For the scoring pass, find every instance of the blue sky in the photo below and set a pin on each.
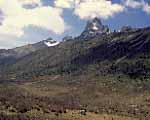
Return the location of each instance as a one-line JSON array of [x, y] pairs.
[[132, 17], [41, 19]]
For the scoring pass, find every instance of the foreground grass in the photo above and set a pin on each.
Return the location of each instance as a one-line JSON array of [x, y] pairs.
[[69, 115], [62, 98]]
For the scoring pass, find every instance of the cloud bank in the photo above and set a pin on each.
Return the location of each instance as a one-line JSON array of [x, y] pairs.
[[88, 9], [140, 4], [16, 18], [16, 15]]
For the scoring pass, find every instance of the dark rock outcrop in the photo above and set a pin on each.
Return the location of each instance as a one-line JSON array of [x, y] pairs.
[[94, 28]]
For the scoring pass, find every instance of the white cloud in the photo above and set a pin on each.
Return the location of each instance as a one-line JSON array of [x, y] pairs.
[[146, 7], [16, 17], [10, 41], [27, 2], [132, 3], [88, 9], [97, 8], [138, 4], [64, 3]]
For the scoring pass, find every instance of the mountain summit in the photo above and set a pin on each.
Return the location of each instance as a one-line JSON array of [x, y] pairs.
[[50, 42], [93, 28]]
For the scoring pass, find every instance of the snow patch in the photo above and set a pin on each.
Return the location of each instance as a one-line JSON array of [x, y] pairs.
[[95, 26], [50, 44]]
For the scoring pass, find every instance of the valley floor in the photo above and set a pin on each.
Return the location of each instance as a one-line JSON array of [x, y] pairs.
[[69, 115], [103, 98]]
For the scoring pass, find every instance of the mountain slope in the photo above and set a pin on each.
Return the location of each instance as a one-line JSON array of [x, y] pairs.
[[105, 51], [10, 56]]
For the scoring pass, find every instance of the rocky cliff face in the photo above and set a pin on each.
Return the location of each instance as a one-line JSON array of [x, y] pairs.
[[94, 28]]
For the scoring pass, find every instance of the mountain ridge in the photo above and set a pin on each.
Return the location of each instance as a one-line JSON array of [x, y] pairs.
[[9, 56], [76, 55]]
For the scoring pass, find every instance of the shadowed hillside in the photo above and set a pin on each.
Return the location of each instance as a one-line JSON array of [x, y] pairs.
[[109, 52]]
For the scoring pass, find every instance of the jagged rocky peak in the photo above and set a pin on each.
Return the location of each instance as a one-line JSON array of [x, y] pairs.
[[93, 28], [94, 25]]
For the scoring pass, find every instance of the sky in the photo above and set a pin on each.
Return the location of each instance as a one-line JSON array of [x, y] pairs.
[[30, 21]]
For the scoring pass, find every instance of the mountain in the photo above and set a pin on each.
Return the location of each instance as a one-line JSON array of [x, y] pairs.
[[128, 29], [51, 43], [109, 51], [67, 38], [11, 55], [93, 28], [128, 48]]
